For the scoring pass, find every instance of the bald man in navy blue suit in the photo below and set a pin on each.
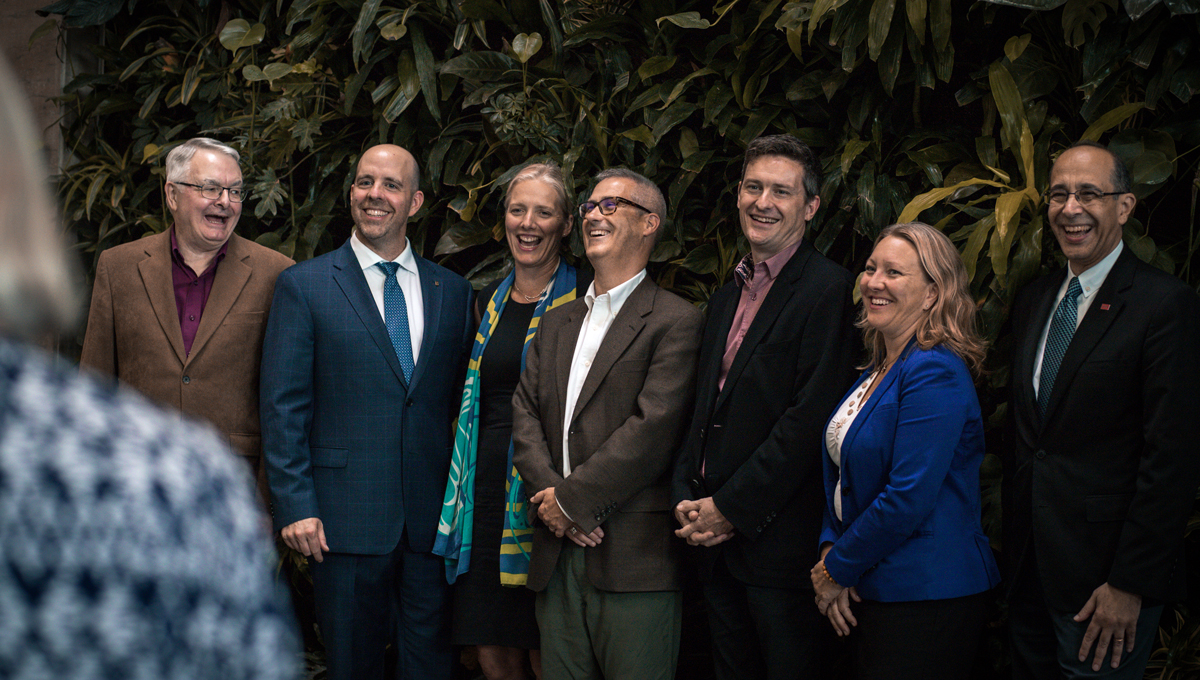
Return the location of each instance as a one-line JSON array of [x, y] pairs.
[[357, 427]]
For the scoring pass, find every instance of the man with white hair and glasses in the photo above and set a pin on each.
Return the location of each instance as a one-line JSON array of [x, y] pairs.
[[180, 315]]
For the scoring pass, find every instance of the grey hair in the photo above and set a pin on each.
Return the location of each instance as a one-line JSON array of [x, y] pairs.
[[649, 195], [38, 292], [179, 160]]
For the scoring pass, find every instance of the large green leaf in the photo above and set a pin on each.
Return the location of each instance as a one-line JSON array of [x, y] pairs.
[[927, 200], [238, 33], [480, 67], [1110, 120], [881, 23], [408, 86], [366, 17]]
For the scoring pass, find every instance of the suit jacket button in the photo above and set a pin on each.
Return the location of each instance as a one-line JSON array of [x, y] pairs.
[[1040, 455], [409, 402], [186, 379], [702, 433]]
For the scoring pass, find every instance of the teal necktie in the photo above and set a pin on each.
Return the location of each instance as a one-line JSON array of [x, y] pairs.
[[1062, 329], [395, 315]]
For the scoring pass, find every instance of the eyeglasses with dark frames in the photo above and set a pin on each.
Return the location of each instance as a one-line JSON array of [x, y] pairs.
[[608, 205], [1084, 196], [213, 191]]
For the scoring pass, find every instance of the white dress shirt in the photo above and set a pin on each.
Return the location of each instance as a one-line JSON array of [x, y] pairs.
[[602, 309], [1090, 282], [406, 276]]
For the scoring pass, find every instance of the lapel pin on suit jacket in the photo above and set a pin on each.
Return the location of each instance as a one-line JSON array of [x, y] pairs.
[[1104, 307]]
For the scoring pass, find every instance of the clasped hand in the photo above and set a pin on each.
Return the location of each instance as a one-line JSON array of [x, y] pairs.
[[702, 523], [557, 521]]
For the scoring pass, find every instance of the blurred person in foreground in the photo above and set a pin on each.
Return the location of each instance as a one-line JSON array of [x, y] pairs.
[[483, 532], [904, 557], [1105, 418], [180, 316], [131, 545]]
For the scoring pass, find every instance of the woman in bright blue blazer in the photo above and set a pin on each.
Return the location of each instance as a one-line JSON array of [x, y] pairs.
[[904, 558]]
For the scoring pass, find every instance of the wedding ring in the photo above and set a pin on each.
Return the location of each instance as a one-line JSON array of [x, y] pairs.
[[574, 530]]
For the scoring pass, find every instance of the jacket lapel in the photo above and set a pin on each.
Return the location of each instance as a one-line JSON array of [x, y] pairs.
[[1100, 316], [348, 275], [231, 278], [721, 309], [625, 327], [155, 271], [565, 351], [1026, 359], [431, 303]]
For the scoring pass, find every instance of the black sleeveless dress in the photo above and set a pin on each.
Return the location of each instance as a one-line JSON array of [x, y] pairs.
[[485, 612]]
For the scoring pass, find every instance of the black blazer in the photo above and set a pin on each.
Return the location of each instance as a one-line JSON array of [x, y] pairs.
[[761, 438], [1103, 487]]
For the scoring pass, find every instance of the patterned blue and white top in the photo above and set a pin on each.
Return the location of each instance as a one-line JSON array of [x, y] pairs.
[[131, 545]]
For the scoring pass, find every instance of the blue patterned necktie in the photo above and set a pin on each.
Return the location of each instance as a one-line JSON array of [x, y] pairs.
[[1062, 328], [395, 315]]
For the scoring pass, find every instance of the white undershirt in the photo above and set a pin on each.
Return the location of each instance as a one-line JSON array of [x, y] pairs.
[[835, 434], [406, 276], [602, 309], [1089, 281]]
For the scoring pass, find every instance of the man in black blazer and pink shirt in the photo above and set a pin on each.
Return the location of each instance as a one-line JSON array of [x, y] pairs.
[[777, 355], [1104, 468]]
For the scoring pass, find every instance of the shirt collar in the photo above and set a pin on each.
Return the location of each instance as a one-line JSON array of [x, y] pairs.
[[748, 271], [177, 256], [616, 295], [368, 258], [1091, 279]]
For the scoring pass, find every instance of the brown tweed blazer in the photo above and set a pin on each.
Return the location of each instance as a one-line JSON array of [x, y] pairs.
[[624, 434], [133, 334]]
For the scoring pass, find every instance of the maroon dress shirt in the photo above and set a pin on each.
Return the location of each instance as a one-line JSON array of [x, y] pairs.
[[191, 291]]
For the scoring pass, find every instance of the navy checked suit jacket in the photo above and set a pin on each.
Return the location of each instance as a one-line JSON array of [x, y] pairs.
[[344, 438]]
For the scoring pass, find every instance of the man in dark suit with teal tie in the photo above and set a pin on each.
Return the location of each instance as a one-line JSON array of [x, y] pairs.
[[361, 376], [1104, 415]]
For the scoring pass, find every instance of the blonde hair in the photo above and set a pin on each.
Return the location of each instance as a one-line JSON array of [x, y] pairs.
[[951, 320], [37, 286]]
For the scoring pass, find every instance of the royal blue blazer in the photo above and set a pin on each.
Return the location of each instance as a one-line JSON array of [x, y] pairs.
[[910, 525]]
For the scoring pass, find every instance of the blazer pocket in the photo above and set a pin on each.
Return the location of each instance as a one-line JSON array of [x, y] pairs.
[[1108, 508], [331, 458], [769, 348], [245, 317], [249, 445], [631, 366]]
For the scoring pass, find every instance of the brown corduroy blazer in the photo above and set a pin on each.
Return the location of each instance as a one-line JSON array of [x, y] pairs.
[[133, 334], [624, 435]]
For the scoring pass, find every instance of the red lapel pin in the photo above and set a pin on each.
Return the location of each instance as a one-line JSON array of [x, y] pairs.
[[1104, 307]]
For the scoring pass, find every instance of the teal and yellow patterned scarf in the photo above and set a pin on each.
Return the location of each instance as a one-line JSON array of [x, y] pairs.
[[458, 507]]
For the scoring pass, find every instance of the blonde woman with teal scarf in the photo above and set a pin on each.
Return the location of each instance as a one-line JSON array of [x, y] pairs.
[[483, 534]]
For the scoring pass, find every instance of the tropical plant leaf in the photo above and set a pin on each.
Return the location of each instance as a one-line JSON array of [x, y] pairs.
[[686, 20], [238, 34]]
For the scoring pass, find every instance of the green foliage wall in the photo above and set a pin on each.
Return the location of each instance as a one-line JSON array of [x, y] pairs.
[[947, 112]]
